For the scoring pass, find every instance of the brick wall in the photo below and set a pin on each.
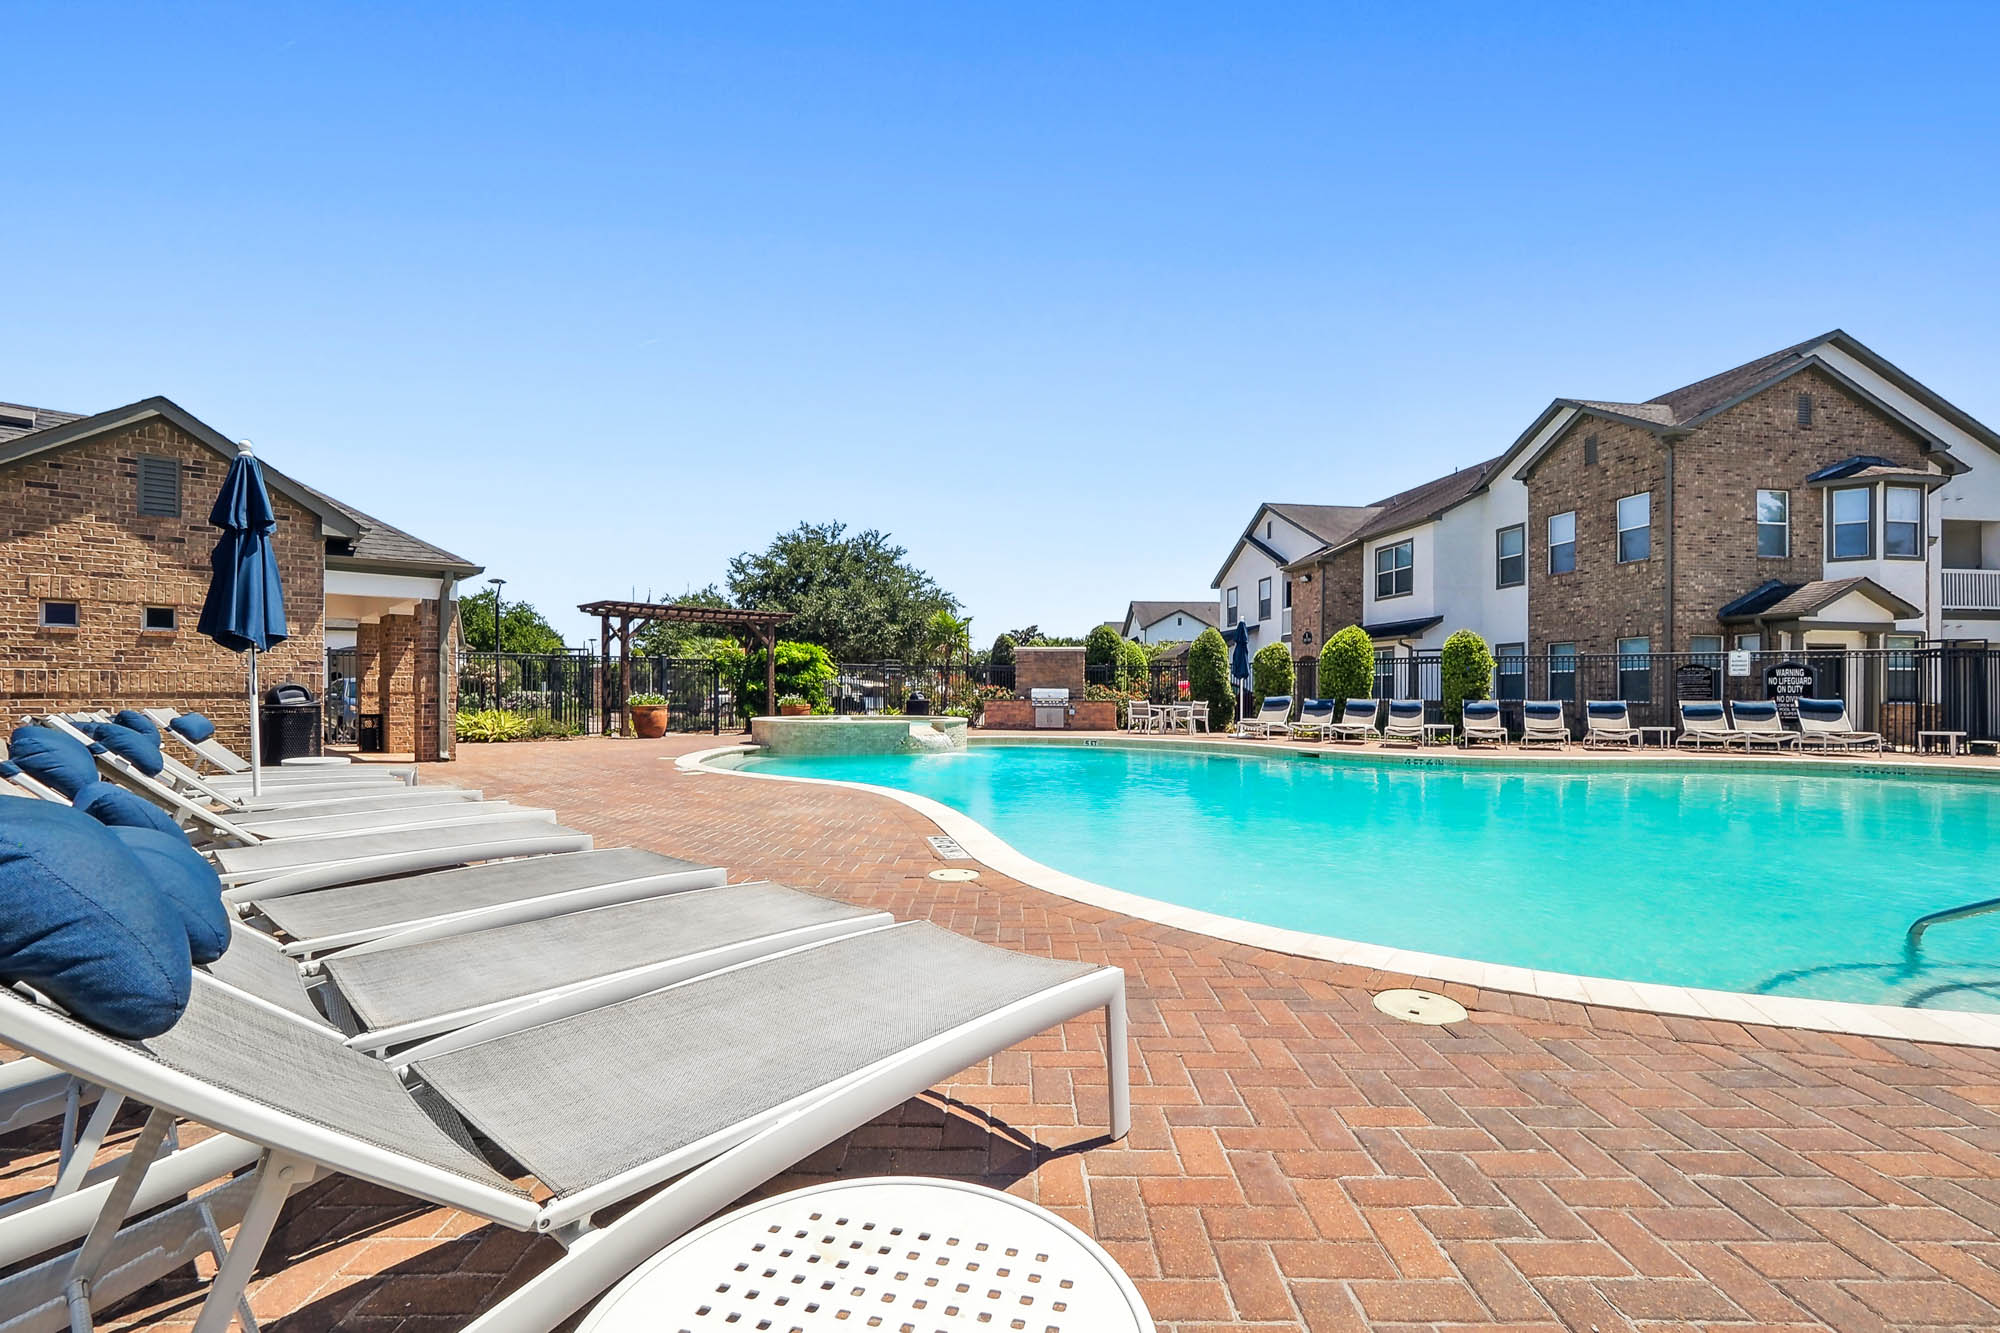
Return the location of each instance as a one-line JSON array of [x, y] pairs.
[[1048, 669], [70, 530], [1759, 445], [1600, 601], [1327, 605], [397, 660]]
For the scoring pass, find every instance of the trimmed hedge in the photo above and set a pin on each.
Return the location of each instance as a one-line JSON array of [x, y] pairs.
[[1208, 678], [1465, 671], [1347, 665], [1271, 672]]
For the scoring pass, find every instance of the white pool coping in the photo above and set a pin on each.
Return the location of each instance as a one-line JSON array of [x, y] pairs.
[[1951, 1027]]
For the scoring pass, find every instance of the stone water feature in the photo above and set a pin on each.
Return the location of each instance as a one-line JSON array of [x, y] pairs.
[[875, 734]]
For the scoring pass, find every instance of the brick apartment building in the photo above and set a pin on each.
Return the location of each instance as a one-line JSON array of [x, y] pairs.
[[1818, 497], [104, 562]]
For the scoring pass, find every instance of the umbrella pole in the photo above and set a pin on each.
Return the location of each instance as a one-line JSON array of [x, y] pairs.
[[256, 740]]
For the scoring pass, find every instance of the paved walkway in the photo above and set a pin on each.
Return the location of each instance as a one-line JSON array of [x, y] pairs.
[[1297, 1160]]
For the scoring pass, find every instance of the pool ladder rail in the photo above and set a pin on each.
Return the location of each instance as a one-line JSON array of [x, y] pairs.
[[1913, 939]]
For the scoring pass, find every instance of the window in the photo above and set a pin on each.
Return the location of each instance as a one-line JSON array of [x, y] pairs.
[[1229, 608], [1288, 594], [1385, 673], [1562, 542], [1590, 451], [1774, 524], [1635, 670], [1562, 671], [1263, 599], [1392, 569], [1510, 557], [1635, 527], [1511, 670], [1853, 523], [1267, 529], [1805, 409], [159, 487], [1750, 643], [1900, 685], [59, 615], [160, 618], [1903, 522], [1705, 645]]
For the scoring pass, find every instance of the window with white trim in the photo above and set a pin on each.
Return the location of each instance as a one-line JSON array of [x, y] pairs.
[[1852, 527], [1510, 556], [1394, 574], [1562, 671], [1903, 522], [1510, 669], [1635, 527], [1263, 599], [1562, 542], [160, 619], [1774, 524], [1229, 608], [59, 615], [1635, 670], [1385, 673]]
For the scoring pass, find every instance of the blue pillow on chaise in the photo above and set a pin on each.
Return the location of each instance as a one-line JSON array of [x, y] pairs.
[[193, 726], [188, 882], [135, 747], [81, 922], [139, 722], [56, 760], [108, 803]]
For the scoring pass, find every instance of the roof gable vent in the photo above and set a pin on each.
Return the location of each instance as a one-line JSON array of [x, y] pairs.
[[1590, 450], [160, 487]]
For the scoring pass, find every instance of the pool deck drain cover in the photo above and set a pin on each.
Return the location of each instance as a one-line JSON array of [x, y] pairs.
[[948, 849], [954, 875], [1420, 1006]]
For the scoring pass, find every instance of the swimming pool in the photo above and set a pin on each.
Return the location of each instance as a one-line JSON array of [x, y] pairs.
[[1731, 877]]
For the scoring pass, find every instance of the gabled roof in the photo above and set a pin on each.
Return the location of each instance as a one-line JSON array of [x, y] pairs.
[[1704, 396], [1868, 467], [1143, 614], [380, 543], [1332, 524], [1401, 629], [1773, 600], [1427, 501], [17, 419]]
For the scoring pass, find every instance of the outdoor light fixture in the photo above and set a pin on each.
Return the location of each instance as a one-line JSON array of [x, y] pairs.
[[499, 586]]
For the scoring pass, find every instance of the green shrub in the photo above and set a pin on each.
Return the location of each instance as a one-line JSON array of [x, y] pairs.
[[1134, 666], [1208, 678], [645, 700], [542, 727], [1347, 665], [494, 724], [804, 669], [1003, 651], [1465, 671], [792, 701], [1271, 672], [1102, 646]]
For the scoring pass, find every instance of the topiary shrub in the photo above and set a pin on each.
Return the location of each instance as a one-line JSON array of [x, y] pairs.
[[1347, 665], [1208, 678], [1102, 646], [1003, 651], [1134, 667], [804, 669], [1465, 671], [1271, 672]]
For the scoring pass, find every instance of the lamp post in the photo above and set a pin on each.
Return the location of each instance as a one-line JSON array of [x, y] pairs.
[[499, 585]]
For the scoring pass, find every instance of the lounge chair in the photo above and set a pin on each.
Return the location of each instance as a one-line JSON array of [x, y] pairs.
[[1273, 718], [1758, 723], [1609, 722], [1542, 722], [281, 787], [716, 1084], [1315, 719], [1823, 725], [1357, 721], [1479, 723], [1704, 723], [226, 761], [1406, 723]]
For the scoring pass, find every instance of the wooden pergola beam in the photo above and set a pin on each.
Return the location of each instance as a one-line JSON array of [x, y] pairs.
[[752, 626]]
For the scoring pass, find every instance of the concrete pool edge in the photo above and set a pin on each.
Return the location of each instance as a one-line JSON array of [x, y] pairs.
[[1848, 1018]]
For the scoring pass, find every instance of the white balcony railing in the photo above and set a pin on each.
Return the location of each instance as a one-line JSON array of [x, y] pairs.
[[1972, 589]]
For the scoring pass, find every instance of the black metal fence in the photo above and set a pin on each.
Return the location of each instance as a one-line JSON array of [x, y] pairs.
[[561, 689], [1899, 693]]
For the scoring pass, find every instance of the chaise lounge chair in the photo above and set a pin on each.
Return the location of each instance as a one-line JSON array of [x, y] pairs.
[[1609, 722], [235, 768], [1704, 723], [1406, 723], [1823, 725], [1758, 723], [1357, 721], [1543, 723], [1315, 719], [600, 1105], [1273, 718], [1479, 723]]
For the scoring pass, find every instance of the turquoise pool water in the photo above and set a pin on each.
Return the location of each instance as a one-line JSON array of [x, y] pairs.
[[1780, 883]]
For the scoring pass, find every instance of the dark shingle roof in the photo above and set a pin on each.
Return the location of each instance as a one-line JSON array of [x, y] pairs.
[[1401, 629], [1691, 400], [1142, 614], [1332, 524], [1431, 498], [385, 543], [17, 420], [1784, 601]]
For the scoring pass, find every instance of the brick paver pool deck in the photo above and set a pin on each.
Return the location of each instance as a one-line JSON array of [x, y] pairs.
[[1297, 1159]]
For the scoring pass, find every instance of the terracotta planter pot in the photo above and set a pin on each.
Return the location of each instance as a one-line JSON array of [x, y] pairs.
[[794, 710], [649, 720]]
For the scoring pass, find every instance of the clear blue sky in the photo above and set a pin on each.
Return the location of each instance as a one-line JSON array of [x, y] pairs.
[[599, 296]]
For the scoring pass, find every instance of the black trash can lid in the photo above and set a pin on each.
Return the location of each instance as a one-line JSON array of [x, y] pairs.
[[289, 694]]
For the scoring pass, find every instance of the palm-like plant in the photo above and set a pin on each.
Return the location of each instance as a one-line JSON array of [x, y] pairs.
[[946, 635]]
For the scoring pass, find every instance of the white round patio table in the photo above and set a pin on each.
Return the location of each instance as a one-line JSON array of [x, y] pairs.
[[890, 1252]]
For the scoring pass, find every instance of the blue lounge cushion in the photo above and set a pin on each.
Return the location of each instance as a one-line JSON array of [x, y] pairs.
[[1278, 701], [55, 760], [1602, 708], [1540, 708], [1406, 708], [136, 748], [80, 922], [193, 726], [1823, 710], [188, 882], [139, 722], [112, 805], [1316, 707], [1704, 711], [1755, 708], [1488, 708]]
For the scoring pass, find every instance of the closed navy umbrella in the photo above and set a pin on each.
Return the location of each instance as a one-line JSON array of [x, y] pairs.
[[245, 608], [1239, 658]]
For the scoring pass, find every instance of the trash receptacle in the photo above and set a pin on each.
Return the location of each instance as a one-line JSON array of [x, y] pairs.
[[368, 733], [290, 720]]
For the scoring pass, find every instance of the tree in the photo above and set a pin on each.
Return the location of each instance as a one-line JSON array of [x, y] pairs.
[[522, 629], [804, 669], [1208, 677], [1026, 637], [1102, 646], [946, 636], [1003, 651], [1347, 665], [1465, 671], [1135, 668], [681, 638], [1271, 672], [857, 597]]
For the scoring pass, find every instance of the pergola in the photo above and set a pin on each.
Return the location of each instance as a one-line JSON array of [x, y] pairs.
[[759, 628]]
